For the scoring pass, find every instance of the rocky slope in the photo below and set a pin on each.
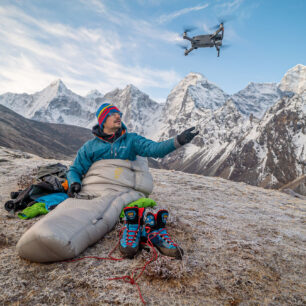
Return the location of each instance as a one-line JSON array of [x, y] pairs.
[[243, 245], [48, 140], [273, 152]]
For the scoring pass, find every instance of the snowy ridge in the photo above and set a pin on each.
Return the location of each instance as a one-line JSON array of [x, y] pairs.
[[194, 91], [256, 98], [273, 151]]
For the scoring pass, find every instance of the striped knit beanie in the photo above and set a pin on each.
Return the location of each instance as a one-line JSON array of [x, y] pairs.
[[105, 110]]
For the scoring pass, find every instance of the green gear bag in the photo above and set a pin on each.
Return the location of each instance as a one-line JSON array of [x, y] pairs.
[[35, 210], [142, 202]]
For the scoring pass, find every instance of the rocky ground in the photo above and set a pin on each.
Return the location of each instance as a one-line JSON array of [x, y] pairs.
[[243, 246]]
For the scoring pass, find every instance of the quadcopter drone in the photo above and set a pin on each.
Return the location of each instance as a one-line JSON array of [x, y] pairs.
[[205, 41]]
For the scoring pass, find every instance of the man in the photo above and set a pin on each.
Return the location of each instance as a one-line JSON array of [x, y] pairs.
[[112, 141]]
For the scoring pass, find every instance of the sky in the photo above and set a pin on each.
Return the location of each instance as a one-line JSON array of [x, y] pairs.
[[108, 44]]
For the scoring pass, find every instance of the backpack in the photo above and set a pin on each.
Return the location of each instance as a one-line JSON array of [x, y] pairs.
[[49, 180]]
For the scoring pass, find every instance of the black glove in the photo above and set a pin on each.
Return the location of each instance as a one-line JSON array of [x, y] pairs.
[[74, 188], [186, 136]]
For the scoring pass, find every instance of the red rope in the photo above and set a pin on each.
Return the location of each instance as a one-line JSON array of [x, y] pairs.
[[127, 278], [131, 278]]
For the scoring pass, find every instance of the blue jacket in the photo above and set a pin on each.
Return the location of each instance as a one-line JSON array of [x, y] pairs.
[[126, 146]]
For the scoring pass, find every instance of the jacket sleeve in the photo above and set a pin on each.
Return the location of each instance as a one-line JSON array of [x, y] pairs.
[[149, 148], [80, 166]]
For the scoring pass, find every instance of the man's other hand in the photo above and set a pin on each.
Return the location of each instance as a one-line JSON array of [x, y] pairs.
[[74, 188], [186, 136]]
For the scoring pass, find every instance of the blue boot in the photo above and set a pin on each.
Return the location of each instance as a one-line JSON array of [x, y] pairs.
[[156, 232], [129, 243]]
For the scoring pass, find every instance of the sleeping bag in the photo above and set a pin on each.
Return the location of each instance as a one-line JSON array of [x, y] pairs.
[[77, 223]]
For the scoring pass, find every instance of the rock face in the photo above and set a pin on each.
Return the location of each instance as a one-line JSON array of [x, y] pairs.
[[272, 153], [256, 135], [242, 244]]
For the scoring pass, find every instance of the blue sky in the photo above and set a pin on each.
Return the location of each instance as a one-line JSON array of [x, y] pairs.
[[95, 44]]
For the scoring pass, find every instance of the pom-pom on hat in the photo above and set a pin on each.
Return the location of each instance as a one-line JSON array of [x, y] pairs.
[[105, 110]]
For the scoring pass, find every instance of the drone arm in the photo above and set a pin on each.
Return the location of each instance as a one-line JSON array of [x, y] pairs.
[[188, 51], [222, 33], [188, 38], [221, 29]]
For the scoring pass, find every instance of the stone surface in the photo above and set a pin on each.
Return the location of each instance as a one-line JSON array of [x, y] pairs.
[[243, 245]]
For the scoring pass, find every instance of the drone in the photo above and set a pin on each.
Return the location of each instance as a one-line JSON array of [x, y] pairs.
[[205, 41]]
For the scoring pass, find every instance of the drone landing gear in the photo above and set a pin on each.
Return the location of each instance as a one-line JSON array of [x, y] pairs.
[[218, 50]]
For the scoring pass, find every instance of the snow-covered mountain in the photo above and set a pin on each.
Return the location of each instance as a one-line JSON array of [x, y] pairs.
[[273, 152], [55, 104], [240, 135], [268, 152], [189, 103], [256, 98]]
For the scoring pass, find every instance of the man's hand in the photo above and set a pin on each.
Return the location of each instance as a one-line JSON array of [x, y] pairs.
[[186, 136], [74, 188]]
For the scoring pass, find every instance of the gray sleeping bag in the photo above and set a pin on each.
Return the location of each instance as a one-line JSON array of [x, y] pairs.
[[77, 223]]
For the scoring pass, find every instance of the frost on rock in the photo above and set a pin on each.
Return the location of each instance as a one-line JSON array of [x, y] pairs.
[[242, 245]]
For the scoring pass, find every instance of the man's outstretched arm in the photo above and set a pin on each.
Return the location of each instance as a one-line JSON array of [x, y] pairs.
[[148, 148]]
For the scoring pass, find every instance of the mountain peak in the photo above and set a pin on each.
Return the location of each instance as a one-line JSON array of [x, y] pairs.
[[197, 75], [93, 94], [193, 78], [131, 87], [133, 90], [58, 85], [294, 80]]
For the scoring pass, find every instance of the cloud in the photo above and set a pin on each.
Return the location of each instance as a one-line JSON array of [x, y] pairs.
[[139, 29], [229, 7], [98, 5], [169, 17], [34, 52]]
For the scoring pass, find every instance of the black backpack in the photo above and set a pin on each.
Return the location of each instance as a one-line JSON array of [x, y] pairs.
[[49, 177]]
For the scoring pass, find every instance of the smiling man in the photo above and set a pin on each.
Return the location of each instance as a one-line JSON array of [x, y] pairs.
[[112, 141]]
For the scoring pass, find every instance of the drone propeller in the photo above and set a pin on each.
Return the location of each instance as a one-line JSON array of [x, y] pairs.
[[223, 20], [182, 46], [225, 46], [217, 26], [189, 29]]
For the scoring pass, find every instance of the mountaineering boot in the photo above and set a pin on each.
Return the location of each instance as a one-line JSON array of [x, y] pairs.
[[129, 243], [156, 232]]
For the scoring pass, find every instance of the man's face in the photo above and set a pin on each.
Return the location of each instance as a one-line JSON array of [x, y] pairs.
[[112, 122]]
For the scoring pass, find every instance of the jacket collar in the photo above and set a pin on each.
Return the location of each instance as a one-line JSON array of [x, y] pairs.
[[97, 131]]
